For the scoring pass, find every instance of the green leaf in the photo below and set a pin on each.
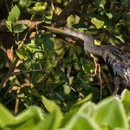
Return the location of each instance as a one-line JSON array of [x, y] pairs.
[[109, 15], [19, 28], [14, 14], [97, 22], [48, 124], [67, 89], [81, 121], [51, 107], [87, 65], [83, 101], [62, 75], [5, 116], [88, 108], [102, 3], [125, 98], [22, 54], [9, 25], [27, 119], [48, 45], [74, 108], [25, 3], [13, 17], [99, 3], [129, 120], [39, 6], [110, 112]]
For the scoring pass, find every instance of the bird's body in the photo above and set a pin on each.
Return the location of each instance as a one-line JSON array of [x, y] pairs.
[[119, 61]]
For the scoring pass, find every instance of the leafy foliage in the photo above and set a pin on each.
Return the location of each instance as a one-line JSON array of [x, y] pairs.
[[107, 114], [46, 78]]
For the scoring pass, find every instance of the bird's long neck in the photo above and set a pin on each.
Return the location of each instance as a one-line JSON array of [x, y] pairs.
[[88, 41]]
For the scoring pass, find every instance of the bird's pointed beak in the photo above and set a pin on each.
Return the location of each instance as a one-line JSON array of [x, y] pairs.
[[54, 29]]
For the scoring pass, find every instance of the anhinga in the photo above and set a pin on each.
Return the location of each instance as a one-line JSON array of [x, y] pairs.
[[119, 62]]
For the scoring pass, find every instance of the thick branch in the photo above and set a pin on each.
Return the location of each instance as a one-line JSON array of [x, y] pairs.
[[31, 24]]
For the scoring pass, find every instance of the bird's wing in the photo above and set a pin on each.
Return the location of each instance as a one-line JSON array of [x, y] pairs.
[[118, 60]]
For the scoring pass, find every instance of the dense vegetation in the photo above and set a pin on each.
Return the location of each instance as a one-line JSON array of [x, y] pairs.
[[53, 72]]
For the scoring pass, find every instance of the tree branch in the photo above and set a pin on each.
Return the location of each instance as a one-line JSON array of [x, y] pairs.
[[31, 24], [11, 70]]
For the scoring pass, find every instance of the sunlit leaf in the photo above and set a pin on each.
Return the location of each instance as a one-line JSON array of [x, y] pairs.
[[88, 108], [51, 107], [109, 15], [22, 54], [25, 3], [97, 42], [97, 22], [110, 112], [19, 28], [81, 121], [5, 117], [40, 6], [27, 119], [48, 124], [125, 98], [14, 14], [9, 25], [67, 89], [13, 17]]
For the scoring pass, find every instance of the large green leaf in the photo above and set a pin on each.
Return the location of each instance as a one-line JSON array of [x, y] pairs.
[[110, 112], [13, 17], [48, 124], [125, 98], [25, 120], [51, 107], [81, 121], [88, 108], [28, 119], [14, 14], [5, 116]]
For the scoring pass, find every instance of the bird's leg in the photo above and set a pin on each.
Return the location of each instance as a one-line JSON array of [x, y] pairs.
[[116, 85]]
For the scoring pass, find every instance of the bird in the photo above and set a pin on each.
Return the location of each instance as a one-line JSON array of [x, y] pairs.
[[113, 56]]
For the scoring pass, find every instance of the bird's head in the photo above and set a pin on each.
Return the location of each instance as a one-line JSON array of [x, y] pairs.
[[68, 31], [55, 29]]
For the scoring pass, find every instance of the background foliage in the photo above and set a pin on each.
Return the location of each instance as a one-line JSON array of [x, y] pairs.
[[35, 61]]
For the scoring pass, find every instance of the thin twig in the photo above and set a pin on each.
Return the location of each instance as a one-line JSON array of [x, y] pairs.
[[11, 70], [100, 79], [97, 65], [26, 71]]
